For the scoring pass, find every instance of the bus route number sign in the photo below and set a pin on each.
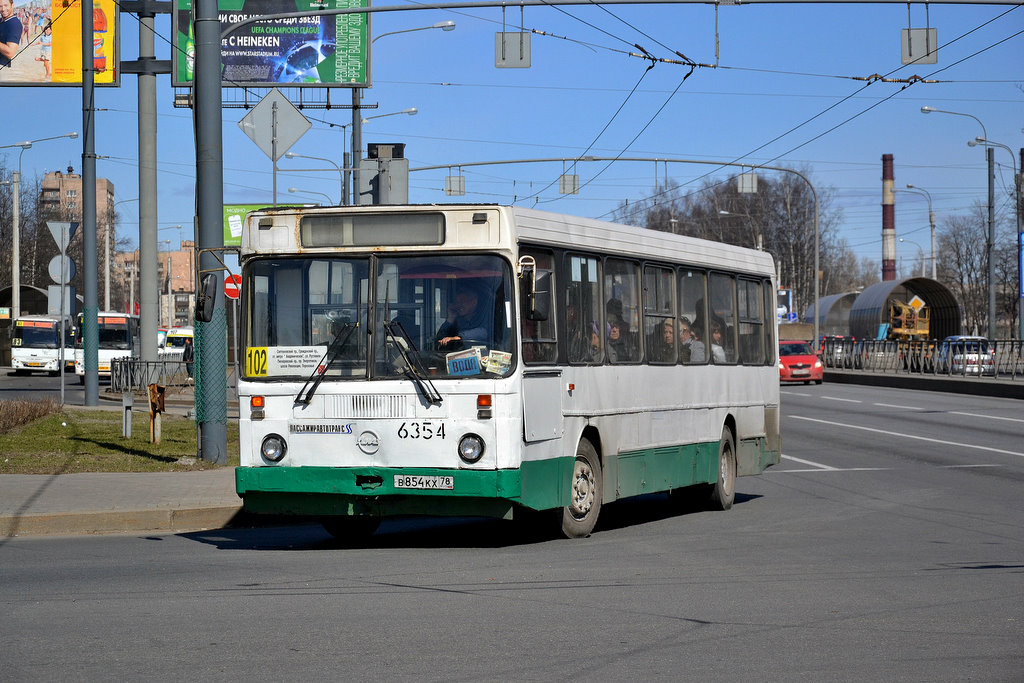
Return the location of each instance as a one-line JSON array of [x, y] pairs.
[[256, 361]]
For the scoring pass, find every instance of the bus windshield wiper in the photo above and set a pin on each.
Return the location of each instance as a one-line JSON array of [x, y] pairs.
[[412, 361], [340, 342]]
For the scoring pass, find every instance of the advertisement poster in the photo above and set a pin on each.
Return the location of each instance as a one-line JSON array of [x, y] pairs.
[[315, 51], [50, 42]]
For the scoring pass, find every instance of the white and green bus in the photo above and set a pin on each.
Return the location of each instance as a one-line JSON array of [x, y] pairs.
[[487, 360]]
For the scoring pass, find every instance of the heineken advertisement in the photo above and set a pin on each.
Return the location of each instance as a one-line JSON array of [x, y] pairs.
[[314, 51]]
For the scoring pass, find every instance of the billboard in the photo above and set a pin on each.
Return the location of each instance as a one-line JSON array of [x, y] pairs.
[[315, 51], [50, 44]]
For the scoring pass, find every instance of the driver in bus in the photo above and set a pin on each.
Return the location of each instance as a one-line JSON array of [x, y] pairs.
[[465, 322]]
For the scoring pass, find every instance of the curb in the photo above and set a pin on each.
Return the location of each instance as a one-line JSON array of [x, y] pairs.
[[120, 521]]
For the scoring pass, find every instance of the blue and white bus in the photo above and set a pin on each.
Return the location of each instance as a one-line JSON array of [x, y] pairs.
[[489, 360]]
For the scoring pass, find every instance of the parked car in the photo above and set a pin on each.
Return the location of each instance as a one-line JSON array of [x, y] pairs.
[[799, 363], [966, 355], [837, 350]]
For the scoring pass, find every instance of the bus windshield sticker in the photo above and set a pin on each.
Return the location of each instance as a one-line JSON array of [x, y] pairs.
[[462, 363], [290, 360], [498, 362]]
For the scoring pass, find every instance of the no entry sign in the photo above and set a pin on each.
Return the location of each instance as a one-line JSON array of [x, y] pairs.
[[232, 283]]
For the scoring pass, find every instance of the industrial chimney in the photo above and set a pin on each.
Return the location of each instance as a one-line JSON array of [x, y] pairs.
[[888, 221]]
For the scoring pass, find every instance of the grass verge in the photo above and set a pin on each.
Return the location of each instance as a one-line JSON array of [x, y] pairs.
[[71, 440]]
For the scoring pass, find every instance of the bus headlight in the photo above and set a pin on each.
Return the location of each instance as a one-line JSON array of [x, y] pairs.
[[273, 447], [471, 448]]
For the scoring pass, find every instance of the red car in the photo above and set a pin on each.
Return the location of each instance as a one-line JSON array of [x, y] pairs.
[[799, 363]]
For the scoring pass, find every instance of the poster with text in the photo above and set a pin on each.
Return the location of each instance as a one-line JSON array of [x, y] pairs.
[[312, 51], [48, 34]]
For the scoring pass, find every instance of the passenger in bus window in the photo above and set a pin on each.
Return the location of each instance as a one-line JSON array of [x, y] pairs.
[[619, 347], [663, 342], [717, 350], [685, 340], [698, 354], [466, 322]]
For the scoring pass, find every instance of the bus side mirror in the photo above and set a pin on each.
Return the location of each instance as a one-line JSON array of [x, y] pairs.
[[538, 296], [207, 297]]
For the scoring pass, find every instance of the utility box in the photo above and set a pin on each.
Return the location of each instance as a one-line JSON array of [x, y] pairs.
[[384, 174]]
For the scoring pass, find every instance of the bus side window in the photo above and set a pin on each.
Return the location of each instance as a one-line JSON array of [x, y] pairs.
[[582, 309], [622, 310], [539, 342]]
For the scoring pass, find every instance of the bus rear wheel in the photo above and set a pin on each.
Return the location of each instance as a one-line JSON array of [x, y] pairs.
[[585, 493], [724, 490]]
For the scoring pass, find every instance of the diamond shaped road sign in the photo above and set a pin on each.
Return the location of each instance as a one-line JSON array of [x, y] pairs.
[[275, 116]]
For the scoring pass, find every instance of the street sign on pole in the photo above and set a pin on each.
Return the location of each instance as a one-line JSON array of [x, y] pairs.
[[232, 285]]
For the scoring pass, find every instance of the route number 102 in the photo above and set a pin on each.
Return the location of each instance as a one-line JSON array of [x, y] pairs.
[[256, 361]]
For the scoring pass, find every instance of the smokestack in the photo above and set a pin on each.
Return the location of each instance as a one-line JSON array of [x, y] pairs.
[[888, 221]]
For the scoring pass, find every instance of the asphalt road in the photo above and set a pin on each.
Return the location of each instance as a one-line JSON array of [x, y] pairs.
[[888, 545]]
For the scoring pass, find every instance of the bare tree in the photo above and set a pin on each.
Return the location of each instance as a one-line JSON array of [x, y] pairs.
[[962, 265], [778, 218]]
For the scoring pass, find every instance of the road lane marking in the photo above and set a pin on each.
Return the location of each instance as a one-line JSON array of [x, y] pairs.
[[910, 436], [807, 462], [988, 417], [844, 400], [889, 405], [819, 467]]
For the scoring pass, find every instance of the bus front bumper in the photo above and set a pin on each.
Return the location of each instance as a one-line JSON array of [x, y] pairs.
[[378, 491]]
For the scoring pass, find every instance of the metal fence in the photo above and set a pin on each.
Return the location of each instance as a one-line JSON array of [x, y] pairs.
[[1001, 360], [131, 375]]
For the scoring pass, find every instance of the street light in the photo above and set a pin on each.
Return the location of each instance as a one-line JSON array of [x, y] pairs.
[[920, 251], [163, 309], [330, 201], [357, 119], [106, 252], [1020, 235], [15, 228], [990, 246], [342, 172], [411, 111], [931, 218], [758, 240]]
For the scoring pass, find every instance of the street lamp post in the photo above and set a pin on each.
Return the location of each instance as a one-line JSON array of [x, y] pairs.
[[299, 190], [1020, 235], [15, 226], [357, 118], [919, 250], [990, 246], [931, 220], [106, 252], [342, 172]]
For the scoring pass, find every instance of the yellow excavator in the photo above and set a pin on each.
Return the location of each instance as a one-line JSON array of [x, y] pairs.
[[908, 321]]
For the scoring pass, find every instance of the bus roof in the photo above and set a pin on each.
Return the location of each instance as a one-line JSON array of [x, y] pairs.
[[547, 228]]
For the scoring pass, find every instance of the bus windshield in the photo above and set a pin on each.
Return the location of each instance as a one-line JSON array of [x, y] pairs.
[[31, 334], [447, 316], [114, 333]]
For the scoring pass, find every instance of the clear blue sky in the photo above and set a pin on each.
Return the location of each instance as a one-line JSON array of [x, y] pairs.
[[783, 94]]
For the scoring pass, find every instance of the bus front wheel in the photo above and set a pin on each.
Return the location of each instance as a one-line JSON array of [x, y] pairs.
[[585, 493], [724, 490]]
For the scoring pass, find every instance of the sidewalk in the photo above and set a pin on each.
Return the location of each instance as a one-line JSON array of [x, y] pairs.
[[119, 502]]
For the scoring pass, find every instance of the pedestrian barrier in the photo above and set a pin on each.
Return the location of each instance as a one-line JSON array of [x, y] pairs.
[[131, 375], [887, 356]]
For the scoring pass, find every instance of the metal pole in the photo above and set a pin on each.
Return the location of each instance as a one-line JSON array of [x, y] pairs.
[[211, 337], [990, 245], [16, 244], [90, 350], [357, 143], [148, 265], [1020, 252]]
